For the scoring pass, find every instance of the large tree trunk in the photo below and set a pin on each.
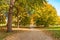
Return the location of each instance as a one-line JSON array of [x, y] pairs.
[[9, 24]]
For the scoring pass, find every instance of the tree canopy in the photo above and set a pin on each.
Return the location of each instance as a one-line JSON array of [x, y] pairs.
[[21, 12]]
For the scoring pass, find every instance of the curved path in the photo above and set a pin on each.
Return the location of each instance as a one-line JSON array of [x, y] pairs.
[[33, 34]]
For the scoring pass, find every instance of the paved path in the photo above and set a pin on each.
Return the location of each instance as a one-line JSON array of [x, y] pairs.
[[30, 35]]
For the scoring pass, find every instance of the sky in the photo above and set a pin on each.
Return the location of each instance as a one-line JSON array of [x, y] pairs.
[[56, 4]]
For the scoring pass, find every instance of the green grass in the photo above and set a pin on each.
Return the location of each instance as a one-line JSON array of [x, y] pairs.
[[54, 31], [55, 34], [4, 34], [53, 28]]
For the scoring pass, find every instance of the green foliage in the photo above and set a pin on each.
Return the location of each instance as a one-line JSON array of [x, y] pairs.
[[2, 18], [25, 21], [43, 13], [3, 10], [23, 7], [55, 34], [46, 16]]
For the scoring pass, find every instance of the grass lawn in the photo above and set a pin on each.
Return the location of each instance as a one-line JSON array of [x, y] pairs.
[[53, 31], [55, 34], [3, 33], [52, 28]]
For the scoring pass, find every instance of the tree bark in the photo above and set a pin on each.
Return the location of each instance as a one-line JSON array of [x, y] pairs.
[[9, 24]]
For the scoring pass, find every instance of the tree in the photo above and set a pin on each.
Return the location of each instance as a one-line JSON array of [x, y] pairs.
[[2, 19], [26, 6], [46, 16], [3, 11], [21, 5], [9, 24], [58, 20]]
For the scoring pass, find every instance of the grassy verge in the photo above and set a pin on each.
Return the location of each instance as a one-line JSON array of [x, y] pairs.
[[53, 28], [50, 28], [4, 34], [55, 34], [52, 31]]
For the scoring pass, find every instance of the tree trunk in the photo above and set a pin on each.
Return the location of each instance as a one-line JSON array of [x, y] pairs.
[[9, 24], [17, 17], [46, 25], [32, 22], [18, 22]]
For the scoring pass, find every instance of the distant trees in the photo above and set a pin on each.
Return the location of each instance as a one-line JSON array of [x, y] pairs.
[[58, 20], [24, 9], [46, 16]]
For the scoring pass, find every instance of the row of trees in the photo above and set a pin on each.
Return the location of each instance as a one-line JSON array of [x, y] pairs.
[[21, 12], [47, 15]]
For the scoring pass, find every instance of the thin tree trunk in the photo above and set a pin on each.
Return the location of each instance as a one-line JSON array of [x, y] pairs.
[[17, 20], [9, 24], [17, 17], [18, 24], [32, 22]]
